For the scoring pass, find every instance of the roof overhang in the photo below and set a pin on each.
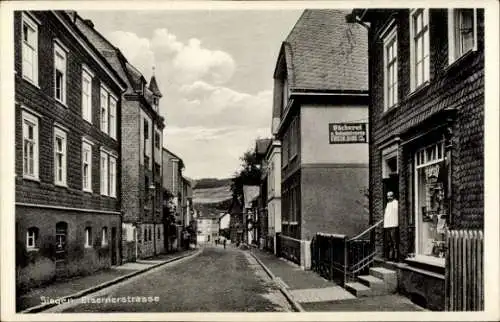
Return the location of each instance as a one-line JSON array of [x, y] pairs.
[[90, 50]]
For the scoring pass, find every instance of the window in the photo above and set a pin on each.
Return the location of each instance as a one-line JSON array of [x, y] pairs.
[[431, 205], [285, 149], [285, 93], [112, 176], [59, 157], [294, 138], [104, 174], [30, 49], [88, 237], [32, 238], [157, 139], [112, 117], [61, 234], [104, 241], [59, 73], [419, 43], [104, 110], [462, 32], [87, 94], [86, 167], [391, 69], [30, 146]]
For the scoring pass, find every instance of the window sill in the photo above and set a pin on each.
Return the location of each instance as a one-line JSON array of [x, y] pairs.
[[418, 89], [460, 59], [88, 247], [389, 110], [29, 81], [61, 185], [88, 191], [36, 179], [60, 103], [32, 249], [427, 260]]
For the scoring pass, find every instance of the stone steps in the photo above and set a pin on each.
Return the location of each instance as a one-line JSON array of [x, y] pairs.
[[381, 281]]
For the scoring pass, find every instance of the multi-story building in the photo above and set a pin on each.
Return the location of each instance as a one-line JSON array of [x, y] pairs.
[[321, 96], [142, 133], [208, 228], [173, 183], [68, 138], [261, 146], [427, 146], [187, 201], [273, 162]]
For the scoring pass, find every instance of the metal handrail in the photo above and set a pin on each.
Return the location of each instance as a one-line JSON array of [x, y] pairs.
[[368, 230]]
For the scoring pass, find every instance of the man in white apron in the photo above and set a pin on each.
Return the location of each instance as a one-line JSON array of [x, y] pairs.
[[391, 224]]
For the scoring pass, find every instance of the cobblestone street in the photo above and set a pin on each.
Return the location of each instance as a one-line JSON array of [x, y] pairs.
[[217, 280]]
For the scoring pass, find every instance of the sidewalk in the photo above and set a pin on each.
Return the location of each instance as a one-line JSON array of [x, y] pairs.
[[87, 284], [314, 293]]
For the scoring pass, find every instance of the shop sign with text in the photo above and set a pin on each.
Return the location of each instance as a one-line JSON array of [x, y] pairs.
[[341, 133]]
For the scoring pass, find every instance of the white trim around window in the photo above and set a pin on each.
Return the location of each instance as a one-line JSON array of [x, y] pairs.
[[104, 174], [32, 238], [60, 157], [29, 38], [419, 48], [30, 146], [390, 40], [462, 33], [112, 116], [60, 72], [104, 240], [88, 237], [86, 166], [104, 112], [112, 176], [87, 94]]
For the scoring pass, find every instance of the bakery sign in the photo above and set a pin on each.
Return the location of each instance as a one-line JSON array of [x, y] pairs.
[[341, 133]]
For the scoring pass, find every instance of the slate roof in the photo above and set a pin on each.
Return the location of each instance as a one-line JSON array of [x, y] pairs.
[[325, 53], [153, 86]]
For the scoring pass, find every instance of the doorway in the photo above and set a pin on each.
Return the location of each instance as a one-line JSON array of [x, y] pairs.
[[114, 254]]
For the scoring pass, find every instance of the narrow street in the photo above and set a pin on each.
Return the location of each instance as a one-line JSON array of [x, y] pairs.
[[217, 280]]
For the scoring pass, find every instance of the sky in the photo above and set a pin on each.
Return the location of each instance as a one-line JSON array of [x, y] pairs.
[[215, 71]]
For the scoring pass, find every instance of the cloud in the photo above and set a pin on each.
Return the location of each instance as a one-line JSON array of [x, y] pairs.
[[208, 124], [212, 152]]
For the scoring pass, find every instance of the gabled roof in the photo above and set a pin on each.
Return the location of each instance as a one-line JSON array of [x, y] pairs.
[[250, 193], [325, 53]]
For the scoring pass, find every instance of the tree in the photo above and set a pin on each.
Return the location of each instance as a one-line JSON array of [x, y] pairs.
[[249, 173]]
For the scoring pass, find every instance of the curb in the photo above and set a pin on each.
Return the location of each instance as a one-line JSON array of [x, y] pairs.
[[64, 299], [295, 305]]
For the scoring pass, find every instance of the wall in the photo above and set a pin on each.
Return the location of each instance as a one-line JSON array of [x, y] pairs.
[[224, 221], [459, 86], [41, 101], [80, 260], [315, 144], [131, 158], [332, 200]]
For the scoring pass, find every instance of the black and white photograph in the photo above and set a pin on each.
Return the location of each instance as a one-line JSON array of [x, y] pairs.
[[294, 158]]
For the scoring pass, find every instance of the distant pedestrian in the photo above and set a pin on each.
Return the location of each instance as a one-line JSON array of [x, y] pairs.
[[224, 240], [391, 224]]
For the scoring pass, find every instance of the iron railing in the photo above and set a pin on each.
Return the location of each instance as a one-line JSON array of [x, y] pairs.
[[339, 258]]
